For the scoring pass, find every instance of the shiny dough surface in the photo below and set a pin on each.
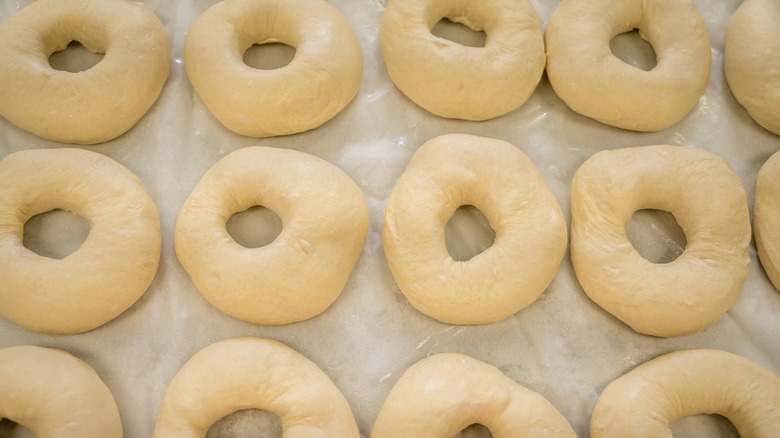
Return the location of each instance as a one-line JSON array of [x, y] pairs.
[[766, 218]]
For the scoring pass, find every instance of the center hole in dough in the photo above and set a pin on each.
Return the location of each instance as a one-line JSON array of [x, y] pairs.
[[459, 33], [632, 49], [55, 234], [254, 227], [269, 56], [74, 58], [475, 431], [257, 423], [656, 235], [713, 426], [10, 429], [468, 233]]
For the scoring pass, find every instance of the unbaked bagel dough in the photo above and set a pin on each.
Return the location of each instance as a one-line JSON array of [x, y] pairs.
[[766, 217], [455, 81], [107, 273], [91, 106], [494, 176], [647, 400], [710, 205], [595, 83], [246, 373], [443, 394], [751, 60], [317, 84], [55, 395], [298, 275]]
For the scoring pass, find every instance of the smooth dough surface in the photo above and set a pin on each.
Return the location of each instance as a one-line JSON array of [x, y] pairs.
[[455, 81], [443, 394], [595, 83], [95, 105], [298, 275], [494, 176], [107, 273], [55, 395], [322, 78], [710, 205], [766, 217], [647, 400], [254, 373], [751, 60]]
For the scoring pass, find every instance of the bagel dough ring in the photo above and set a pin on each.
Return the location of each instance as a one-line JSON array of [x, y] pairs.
[[710, 205], [647, 400], [456, 81], [498, 179], [54, 394], [299, 274], [751, 60], [317, 84], [766, 217], [597, 84], [245, 373], [95, 105], [107, 273], [443, 394]]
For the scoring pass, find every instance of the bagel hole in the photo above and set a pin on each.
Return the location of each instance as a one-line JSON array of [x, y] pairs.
[[11, 429], [714, 426], [468, 233], [254, 227], [459, 33], [634, 50], [55, 234], [656, 236], [269, 56], [474, 431], [74, 58], [257, 423]]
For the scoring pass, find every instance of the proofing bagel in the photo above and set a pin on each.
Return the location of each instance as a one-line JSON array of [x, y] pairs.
[[647, 400], [766, 217], [91, 106], [595, 83], [455, 81], [298, 275], [107, 273], [709, 203], [54, 394], [317, 84], [497, 178], [246, 373]]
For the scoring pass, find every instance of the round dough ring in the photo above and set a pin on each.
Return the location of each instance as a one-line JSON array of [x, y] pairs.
[[91, 106], [317, 84], [246, 373], [299, 274], [751, 60], [689, 293], [647, 400], [54, 394], [766, 217], [497, 178], [455, 81], [107, 273], [443, 394], [595, 83]]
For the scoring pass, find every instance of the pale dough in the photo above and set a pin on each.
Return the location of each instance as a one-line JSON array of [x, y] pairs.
[[710, 205], [766, 218], [455, 81], [91, 106]]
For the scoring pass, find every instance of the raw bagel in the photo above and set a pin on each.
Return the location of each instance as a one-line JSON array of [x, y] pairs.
[[91, 106], [648, 399], [455, 81], [443, 394], [55, 395], [245, 373], [595, 83], [766, 218], [298, 275], [497, 178], [709, 203], [107, 273], [751, 60], [317, 84]]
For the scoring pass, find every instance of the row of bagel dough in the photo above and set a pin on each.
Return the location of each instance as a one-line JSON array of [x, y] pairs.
[[55, 394], [444, 77], [325, 223]]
